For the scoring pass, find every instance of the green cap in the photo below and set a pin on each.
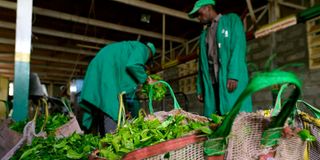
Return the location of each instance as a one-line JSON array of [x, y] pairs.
[[152, 48], [198, 5]]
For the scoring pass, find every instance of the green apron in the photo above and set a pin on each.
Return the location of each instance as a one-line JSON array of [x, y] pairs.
[[231, 45], [116, 68]]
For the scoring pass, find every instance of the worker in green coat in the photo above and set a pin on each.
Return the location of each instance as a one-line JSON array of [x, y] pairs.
[[222, 69], [117, 68]]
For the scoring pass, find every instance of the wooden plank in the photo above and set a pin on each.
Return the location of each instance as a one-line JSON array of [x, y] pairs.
[[4, 85], [313, 43], [313, 19], [314, 63], [314, 39], [314, 52], [314, 29]]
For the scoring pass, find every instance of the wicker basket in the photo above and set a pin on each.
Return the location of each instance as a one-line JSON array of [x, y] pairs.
[[29, 132], [72, 126], [252, 136], [8, 138], [189, 147], [311, 122], [184, 148]]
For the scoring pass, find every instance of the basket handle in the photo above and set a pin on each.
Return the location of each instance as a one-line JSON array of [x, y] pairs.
[[313, 109], [41, 101], [277, 105], [259, 82], [66, 104], [175, 102], [121, 114], [46, 112]]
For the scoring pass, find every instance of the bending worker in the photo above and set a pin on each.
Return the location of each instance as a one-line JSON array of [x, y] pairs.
[[116, 68], [223, 73]]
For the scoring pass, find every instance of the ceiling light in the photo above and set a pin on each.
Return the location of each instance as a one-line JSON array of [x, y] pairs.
[[145, 18]]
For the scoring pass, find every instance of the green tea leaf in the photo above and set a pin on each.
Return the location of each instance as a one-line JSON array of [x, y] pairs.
[[306, 136], [73, 154], [206, 130]]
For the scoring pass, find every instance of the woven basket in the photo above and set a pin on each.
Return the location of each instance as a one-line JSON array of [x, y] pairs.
[[72, 126], [245, 137], [184, 148], [311, 122], [29, 132], [189, 147], [253, 136], [8, 138]]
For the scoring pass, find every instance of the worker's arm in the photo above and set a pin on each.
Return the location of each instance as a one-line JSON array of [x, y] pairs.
[[199, 83], [136, 62]]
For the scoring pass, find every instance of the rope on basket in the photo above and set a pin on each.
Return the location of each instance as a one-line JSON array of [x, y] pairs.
[[122, 112], [175, 102]]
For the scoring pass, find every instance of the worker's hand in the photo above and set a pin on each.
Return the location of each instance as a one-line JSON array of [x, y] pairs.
[[232, 85], [150, 80], [200, 97]]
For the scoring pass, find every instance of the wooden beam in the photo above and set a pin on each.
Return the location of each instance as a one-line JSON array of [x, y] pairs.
[[259, 17], [10, 65], [7, 65], [93, 22], [258, 9], [7, 75], [42, 73], [53, 81], [51, 67], [5, 70], [59, 60], [64, 49], [51, 47], [52, 74], [291, 5], [274, 10], [251, 12], [312, 2], [54, 33], [42, 78], [157, 8], [43, 58]]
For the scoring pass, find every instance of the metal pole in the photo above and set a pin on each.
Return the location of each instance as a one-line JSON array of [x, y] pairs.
[[22, 60], [163, 39], [171, 51]]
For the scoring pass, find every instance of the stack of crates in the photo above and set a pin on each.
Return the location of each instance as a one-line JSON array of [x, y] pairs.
[[313, 33], [187, 84]]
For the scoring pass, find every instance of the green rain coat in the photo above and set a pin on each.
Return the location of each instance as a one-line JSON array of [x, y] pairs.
[[116, 68], [231, 43]]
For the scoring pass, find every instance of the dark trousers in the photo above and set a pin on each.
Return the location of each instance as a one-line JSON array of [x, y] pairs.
[[216, 97], [109, 125], [101, 122]]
